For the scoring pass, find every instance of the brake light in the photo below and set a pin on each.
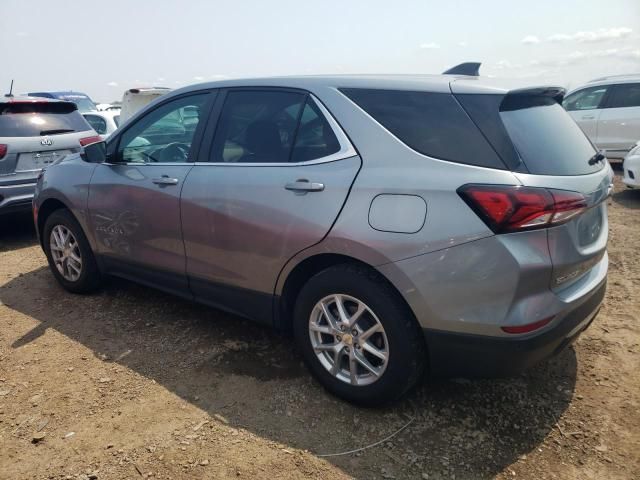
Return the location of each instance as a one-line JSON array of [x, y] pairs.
[[530, 327], [3, 150], [510, 208], [89, 140]]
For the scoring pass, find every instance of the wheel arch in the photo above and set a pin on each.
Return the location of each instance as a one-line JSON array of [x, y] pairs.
[[307, 268], [47, 207]]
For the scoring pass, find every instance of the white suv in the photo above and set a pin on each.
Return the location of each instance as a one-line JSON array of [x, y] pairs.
[[608, 111]]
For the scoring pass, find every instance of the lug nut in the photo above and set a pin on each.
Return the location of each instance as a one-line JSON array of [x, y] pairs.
[[354, 332], [357, 345], [339, 337], [341, 328], [346, 349]]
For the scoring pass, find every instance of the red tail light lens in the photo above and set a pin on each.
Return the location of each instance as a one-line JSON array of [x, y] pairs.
[[508, 208], [529, 327], [89, 140], [3, 149]]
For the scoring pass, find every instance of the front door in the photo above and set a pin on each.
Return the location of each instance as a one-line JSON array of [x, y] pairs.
[[279, 172], [134, 199], [585, 108]]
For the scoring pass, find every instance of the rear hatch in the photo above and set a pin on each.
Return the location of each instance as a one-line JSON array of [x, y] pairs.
[[34, 134], [545, 149]]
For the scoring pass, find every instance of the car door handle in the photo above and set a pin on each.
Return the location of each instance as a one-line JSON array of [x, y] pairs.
[[304, 186], [588, 117], [165, 180]]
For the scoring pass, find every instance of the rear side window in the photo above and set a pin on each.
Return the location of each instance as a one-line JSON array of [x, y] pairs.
[[625, 95], [32, 119], [587, 99], [546, 138], [433, 124]]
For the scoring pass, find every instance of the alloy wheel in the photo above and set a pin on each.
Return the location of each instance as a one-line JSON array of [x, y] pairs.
[[65, 251], [348, 339]]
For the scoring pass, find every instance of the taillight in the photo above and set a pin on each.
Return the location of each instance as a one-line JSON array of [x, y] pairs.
[[510, 208], [89, 140], [3, 150]]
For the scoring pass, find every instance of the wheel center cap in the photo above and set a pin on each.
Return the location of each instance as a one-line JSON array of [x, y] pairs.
[[347, 339]]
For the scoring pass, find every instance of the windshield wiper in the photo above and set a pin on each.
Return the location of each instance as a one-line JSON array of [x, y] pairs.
[[54, 132], [598, 157]]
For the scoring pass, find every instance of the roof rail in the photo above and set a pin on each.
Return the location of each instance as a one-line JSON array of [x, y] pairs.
[[471, 69], [611, 77]]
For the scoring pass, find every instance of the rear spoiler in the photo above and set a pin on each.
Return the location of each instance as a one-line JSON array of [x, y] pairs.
[[471, 69], [555, 92]]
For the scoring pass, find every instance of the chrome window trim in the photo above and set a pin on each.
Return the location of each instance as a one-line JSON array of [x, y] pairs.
[[347, 150]]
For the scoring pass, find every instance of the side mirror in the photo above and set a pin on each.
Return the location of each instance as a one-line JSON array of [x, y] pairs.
[[95, 152]]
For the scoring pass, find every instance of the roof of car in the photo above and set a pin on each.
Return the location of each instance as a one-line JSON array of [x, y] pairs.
[[28, 99], [417, 82], [63, 93], [610, 80]]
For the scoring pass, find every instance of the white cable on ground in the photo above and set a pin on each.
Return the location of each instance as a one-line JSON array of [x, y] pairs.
[[369, 446]]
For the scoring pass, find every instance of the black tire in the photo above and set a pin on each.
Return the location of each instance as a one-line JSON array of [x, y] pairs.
[[406, 346], [90, 278]]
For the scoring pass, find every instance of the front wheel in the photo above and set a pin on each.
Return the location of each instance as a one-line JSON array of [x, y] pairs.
[[69, 254], [357, 336]]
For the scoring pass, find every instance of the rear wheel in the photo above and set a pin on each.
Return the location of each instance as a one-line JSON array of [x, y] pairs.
[[70, 257], [357, 336]]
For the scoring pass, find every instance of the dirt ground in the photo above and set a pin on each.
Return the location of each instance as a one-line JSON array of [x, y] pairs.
[[132, 383]]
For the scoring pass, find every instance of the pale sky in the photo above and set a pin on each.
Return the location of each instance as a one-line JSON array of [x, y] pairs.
[[103, 48]]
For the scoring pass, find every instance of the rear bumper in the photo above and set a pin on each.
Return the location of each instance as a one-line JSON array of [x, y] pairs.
[[16, 197], [458, 354]]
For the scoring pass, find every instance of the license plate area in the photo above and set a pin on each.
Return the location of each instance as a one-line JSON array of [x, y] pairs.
[[32, 161]]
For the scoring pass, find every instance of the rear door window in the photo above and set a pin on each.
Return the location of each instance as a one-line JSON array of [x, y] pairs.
[[433, 124], [257, 126], [545, 137], [587, 99], [32, 119], [624, 95]]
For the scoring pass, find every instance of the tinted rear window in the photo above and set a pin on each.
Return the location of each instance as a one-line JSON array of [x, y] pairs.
[[433, 124], [34, 119], [532, 134], [546, 138]]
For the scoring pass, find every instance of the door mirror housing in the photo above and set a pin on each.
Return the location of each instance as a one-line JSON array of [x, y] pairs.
[[95, 153]]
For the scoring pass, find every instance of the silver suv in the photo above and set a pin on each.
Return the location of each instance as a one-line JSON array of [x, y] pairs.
[[34, 132], [394, 224]]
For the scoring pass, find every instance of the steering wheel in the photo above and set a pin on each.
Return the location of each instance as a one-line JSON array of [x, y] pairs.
[[173, 153]]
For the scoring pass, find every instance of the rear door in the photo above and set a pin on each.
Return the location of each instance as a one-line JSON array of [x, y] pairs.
[[584, 106], [278, 171], [134, 199], [619, 120]]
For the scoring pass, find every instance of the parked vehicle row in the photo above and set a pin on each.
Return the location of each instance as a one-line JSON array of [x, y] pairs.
[[34, 133], [394, 224]]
